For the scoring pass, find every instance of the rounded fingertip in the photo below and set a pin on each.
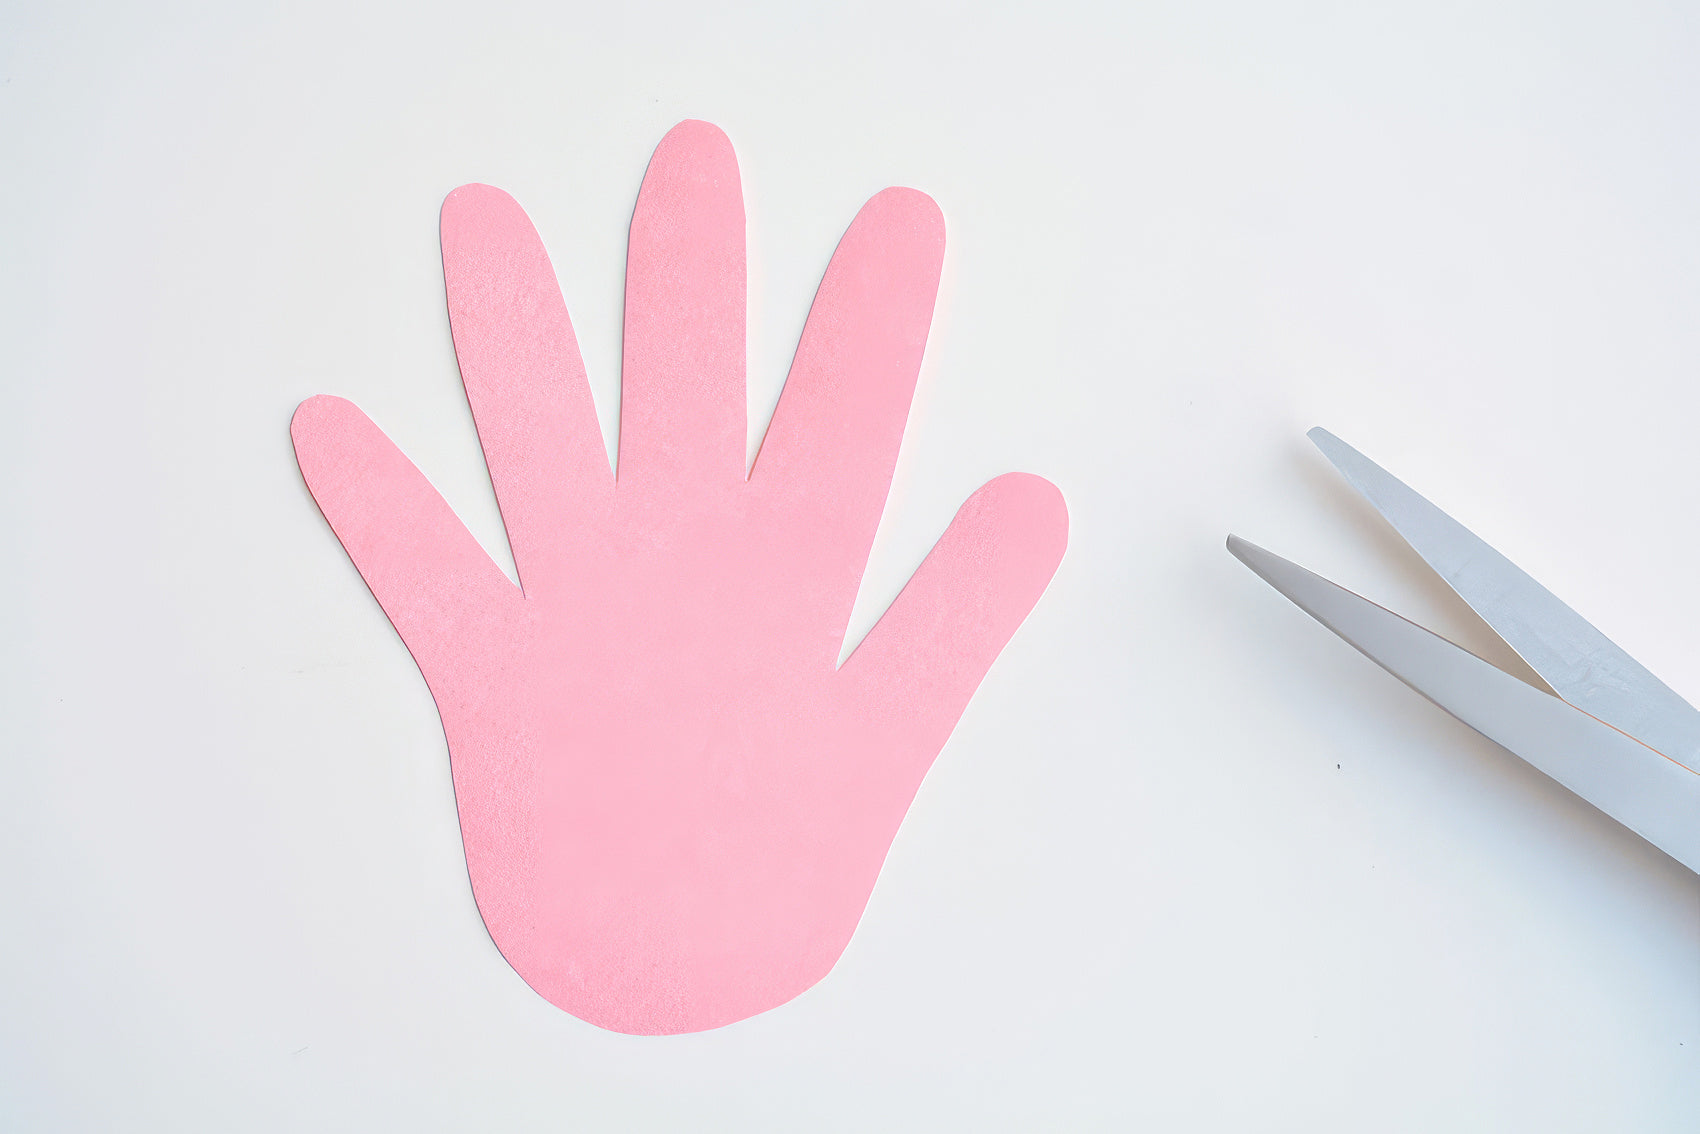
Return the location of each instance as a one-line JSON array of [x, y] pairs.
[[324, 426], [479, 214], [694, 167], [477, 195], [919, 207], [910, 211], [312, 415], [694, 136], [691, 198], [1030, 494], [1033, 506], [1020, 522]]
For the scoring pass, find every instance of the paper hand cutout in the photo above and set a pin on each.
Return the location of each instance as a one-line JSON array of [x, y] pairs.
[[674, 803]]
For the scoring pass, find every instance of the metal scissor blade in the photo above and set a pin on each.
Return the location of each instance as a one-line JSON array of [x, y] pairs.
[[1582, 664], [1652, 795]]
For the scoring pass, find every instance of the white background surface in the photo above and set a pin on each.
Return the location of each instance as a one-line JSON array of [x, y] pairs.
[[1187, 861]]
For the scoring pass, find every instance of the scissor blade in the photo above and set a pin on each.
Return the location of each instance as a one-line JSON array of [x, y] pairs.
[[1582, 664], [1652, 795]]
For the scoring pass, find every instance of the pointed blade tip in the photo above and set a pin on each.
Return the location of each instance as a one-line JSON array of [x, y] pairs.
[[1330, 445], [1256, 559]]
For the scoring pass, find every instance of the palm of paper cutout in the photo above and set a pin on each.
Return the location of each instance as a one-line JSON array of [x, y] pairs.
[[674, 804]]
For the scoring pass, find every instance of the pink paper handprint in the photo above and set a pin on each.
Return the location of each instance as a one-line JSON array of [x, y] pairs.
[[674, 802]]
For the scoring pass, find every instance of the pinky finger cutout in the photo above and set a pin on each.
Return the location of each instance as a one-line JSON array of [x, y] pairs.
[[439, 588], [929, 652]]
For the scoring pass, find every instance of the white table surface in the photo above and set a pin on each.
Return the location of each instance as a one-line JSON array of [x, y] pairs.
[[1188, 862]]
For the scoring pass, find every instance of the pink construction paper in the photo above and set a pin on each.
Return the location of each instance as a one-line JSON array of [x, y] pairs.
[[674, 802]]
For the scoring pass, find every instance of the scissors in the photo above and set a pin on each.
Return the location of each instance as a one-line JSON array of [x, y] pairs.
[[1608, 730]]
